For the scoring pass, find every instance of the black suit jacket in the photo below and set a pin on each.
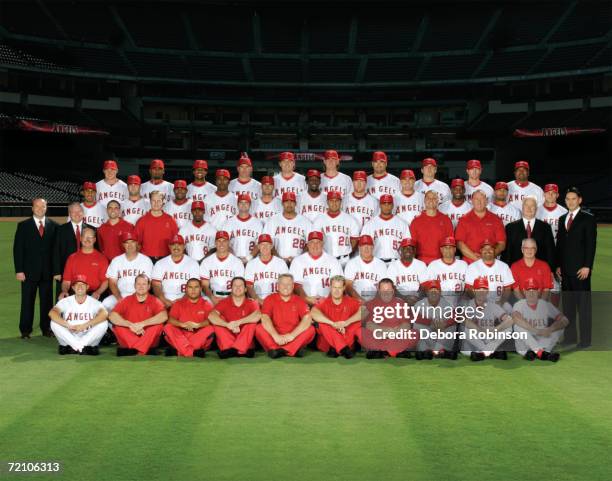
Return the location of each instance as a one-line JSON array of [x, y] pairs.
[[576, 247], [32, 254], [541, 233], [64, 245]]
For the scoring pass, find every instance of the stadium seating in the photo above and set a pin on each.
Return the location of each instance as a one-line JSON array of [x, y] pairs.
[[447, 32], [215, 68], [454, 66], [281, 32], [158, 65], [277, 69], [160, 27], [19, 187], [391, 31], [328, 34], [87, 22], [97, 60], [587, 20], [503, 63], [227, 29], [569, 58], [497, 122], [340, 70], [515, 25], [392, 69], [28, 18]]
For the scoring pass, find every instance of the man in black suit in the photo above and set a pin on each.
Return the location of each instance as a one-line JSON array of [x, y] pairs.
[[576, 241], [33, 254], [528, 227]]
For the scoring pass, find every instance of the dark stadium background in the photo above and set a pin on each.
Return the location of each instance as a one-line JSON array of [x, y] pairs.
[[204, 79]]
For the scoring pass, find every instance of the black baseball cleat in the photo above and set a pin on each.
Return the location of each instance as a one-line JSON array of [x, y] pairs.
[[429, 355], [62, 351], [404, 354], [276, 353], [153, 352], [250, 353], [26, 335], [554, 356], [452, 355], [126, 351], [199, 353], [477, 356], [227, 353], [299, 353], [347, 353], [501, 355], [375, 355], [332, 353], [530, 355], [418, 355], [543, 355], [443, 354], [91, 351], [170, 351]]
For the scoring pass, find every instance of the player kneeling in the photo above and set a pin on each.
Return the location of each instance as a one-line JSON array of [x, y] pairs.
[[532, 317], [138, 320], [286, 325], [491, 318], [188, 330], [339, 319], [79, 321]]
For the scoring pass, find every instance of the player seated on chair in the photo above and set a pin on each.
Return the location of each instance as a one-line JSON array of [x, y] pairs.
[[493, 319], [541, 321], [188, 330], [138, 320], [79, 321]]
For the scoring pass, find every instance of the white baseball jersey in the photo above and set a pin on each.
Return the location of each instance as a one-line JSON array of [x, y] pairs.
[[516, 193], [455, 212], [220, 272], [498, 274], [443, 190], [551, 216], [174, 275], [243, 234], [507, 212], [486, 188], [220, 208], [340, 182], [311, 207], [251, 187], [132, 210], [387, 184], [263, 276], [492, 313], [197, 191], [361, 208], [289, 235], [106, 192], [124, 271], [407, 278], [539, 317], [387, 235], [75, 313], [164, 187], [365, 275], [94, 215], [451, 276], [313, 274], [198, 239], [296, 184], [263, 211], [407, 207], [181, 213], [337, 231]]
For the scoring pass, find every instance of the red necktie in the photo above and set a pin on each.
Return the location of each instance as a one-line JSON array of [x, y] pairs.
[[77, 234], [570, 220], [41, 228], [528, 229]]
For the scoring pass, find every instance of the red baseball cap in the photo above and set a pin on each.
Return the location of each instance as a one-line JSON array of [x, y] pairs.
[[407, 174], [334, 194], [408, 242], [264, 238], [267, 179], [366, 240], [521, 163], [157, 164], [180, 184], [474, 164], [529, 284], [386, 199], [177, 239], [200, 164], [286, 156], [331, 154], [360, 175], [245, 197], [448, 241], [244, 159], [487, 242], [110, 164], [222, 173], [313, 173], [481, 283], [289, 196], [134, 180], [197, 204], [501, 185], [79, 278], [456, 182], [128, 236], [89, 185], [429, 161], [378, 156], [222, 234], [431, 284], [315, 235], [551, 187]]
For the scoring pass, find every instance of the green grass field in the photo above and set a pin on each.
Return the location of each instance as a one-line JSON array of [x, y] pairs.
[[315, 418]]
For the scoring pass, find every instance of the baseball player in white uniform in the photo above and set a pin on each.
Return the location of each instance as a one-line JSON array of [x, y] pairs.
[[311, 203], [408, 203], [457, 206], [200, 188], [262, 272], [500, 207], [267, 205], [474, 169], [429, 167], [332, 179], [550, 211], [179, 207], [171, 273], [380, 182], [79, 321], [520, 188], [287, 180], [449, 271], [221, 204], [313, 270], [497, 272], [359, 204], [364, 272], [387, 231], [110, 187], [244, 183], [218, 269], [407, 273], [199, 235], [340, 230], [157, 182], [123, 269], [135, 206], [288, 229], [94, 213], [244, 230]]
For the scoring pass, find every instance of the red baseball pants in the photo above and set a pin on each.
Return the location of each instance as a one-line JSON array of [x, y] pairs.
[[185, 342], [265, 339], [150, 338]]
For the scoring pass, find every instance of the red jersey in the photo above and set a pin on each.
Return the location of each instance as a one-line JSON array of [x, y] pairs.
[[92, 265], [540, 271], [285, 315], [109, 238], [339, 312], [184, 310], [154, 233], [232, 312], [472, 230], [131, 309], [428, 232]]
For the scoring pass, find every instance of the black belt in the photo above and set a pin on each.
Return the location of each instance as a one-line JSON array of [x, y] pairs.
[[387, 260], [221, 293]]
